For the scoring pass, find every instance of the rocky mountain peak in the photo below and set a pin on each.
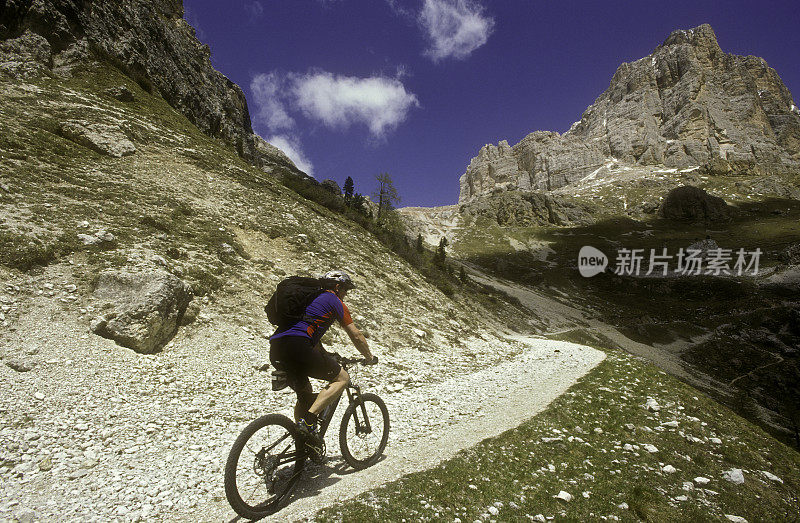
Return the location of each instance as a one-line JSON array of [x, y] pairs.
[[688, 104], [702, 36]]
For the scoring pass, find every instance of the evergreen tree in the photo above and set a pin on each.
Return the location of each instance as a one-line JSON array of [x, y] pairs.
[[348, 191], [419, 242], [358, 203], [462, 275], [441, 254]]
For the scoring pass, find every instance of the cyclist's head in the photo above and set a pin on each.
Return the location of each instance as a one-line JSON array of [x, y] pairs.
[[340, 278]]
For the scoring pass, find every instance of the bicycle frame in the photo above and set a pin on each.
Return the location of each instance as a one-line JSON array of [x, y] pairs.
[[353, 393]]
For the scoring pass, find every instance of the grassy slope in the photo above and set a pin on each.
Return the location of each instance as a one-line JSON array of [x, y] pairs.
[[519, 473], [229, 229]]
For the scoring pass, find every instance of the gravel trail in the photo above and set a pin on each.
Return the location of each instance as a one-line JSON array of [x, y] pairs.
[[90, 431], [431, 423]]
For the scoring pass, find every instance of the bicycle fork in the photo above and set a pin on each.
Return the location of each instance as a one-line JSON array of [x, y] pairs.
[[362, 425]]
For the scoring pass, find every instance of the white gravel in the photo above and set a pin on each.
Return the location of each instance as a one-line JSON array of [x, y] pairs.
[[96, 432]]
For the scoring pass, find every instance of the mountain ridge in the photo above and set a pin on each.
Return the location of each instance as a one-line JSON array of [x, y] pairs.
[[687, 104]]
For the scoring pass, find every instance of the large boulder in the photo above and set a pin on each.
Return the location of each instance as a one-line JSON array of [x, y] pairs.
[[104, 138], [143, 309], [693, 204]]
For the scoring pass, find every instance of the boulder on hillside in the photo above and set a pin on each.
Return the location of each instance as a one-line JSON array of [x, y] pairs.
[[103, 138], [693, 204], [146, 308], [121, 93], [332, 187]]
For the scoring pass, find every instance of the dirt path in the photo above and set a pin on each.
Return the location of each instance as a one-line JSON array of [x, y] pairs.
[[431, 423]]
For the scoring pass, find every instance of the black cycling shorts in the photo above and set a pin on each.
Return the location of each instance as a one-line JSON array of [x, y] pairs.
[[296, 356]]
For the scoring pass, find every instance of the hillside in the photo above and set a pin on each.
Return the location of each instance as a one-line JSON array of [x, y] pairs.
[[85, 419]]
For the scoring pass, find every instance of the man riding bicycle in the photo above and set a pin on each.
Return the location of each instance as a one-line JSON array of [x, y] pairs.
[[297, 350]]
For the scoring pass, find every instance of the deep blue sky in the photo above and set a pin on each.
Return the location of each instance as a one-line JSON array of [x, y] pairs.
[[542, 64]]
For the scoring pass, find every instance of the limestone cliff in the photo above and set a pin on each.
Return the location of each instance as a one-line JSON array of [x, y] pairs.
[[686, 104], [150, 42]]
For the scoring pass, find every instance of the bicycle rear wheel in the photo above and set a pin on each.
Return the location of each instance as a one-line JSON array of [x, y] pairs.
[[364, 431], [263, 466]]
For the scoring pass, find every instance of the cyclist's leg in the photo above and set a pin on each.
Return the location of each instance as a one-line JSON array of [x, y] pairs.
[[325, 367]]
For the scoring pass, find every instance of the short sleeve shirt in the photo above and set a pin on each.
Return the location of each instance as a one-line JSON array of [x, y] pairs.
[[320, 314]]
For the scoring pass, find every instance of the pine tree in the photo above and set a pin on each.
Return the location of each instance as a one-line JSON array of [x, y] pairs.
[[462, 275], [441, 254], [348, 191], [419, 242]]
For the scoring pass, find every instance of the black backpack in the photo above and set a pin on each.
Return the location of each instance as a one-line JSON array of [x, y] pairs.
[[288, 303]]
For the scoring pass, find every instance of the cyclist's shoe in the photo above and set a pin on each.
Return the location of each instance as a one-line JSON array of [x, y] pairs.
[[314, 444]]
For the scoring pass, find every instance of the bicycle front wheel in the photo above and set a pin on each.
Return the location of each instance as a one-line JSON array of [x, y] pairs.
[[364, 431], [263, 466]]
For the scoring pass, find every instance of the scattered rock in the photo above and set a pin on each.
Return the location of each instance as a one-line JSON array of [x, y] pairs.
[[652, 449], [734, 476], [121, 93], [652, 405], [46, 464], [20, 365], [735, 519], [772, 477], [25, 515], [100, 238], [700, 480], [668, 469], [672, 424], [564, 496], [39, 396]]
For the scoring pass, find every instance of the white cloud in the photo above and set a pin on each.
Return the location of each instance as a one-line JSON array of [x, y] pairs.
[[254, 9], [268, 91], [455, 28], [291, 147], [379, 102]]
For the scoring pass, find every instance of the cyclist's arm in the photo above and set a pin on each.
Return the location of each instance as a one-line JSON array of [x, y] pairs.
[[358, 340]]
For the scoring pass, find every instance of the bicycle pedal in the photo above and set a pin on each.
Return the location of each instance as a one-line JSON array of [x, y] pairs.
[[315, 454]]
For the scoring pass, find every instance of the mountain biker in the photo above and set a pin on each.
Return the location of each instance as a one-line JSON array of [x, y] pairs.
[[297, 350]]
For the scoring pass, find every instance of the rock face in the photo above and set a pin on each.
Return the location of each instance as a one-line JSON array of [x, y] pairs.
[[526, 208], [687, 104], [146, 308], [693, 204], [150, 42]]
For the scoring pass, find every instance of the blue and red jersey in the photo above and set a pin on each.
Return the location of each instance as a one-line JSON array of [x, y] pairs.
[[320, 314]]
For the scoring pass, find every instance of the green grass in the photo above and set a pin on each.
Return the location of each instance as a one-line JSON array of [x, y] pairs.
[[514, 469]]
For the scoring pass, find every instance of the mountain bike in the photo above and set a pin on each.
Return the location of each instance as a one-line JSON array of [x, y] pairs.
[[268, 457]]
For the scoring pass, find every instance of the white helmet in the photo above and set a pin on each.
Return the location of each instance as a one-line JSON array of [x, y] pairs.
[[341, 278]]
